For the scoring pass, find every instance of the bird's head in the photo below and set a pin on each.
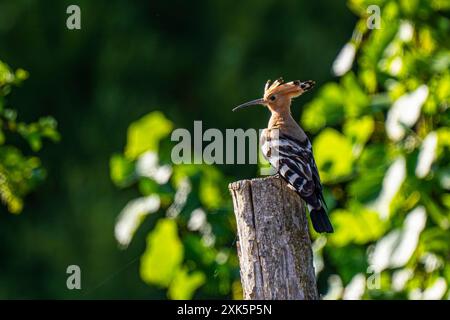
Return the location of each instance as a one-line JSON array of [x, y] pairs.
[[278, 94]]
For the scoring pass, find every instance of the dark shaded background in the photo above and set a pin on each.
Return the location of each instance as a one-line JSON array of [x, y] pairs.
[[193, 60]]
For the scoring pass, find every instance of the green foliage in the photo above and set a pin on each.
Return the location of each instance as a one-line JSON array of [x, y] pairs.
[[386, 158], [184, 285], [331, 164], [122, 170], [19, 173], [138, 134], [164, 254], [365, 225], [190, 244]]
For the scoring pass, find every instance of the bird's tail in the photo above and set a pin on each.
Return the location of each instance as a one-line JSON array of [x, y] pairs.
[[320, 220]]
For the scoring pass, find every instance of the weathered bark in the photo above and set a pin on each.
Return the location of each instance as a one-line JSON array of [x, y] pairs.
[[274, 246]]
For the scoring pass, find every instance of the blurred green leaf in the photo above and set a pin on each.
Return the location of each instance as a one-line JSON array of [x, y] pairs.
[[146, 133], [359, 130], [121, 170], [333, 166], [355, 99], [348, 261], [358, 226], [436, 240], [21, 75], [184, 284], [210, 190], [163, 256], [18, 176], [326, 110], [371, 168]]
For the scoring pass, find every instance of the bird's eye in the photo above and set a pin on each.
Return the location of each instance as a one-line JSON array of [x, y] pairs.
[[272, 98], [296, 82]]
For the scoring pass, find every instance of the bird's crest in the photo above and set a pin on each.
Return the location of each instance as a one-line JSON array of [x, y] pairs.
[[293, 89], [270, 86], [279, 86]]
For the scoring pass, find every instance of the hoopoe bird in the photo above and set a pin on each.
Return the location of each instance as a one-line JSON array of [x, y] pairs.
[[287, 148]]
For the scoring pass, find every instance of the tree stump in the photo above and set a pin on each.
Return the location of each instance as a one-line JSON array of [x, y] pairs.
[[274, 245]]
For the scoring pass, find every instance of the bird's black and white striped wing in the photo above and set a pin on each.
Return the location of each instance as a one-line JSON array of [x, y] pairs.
[[294, 161]]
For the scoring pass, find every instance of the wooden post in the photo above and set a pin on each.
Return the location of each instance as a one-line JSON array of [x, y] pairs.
[[274, 246]]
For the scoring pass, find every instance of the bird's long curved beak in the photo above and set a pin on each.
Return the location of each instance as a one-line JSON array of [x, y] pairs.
[[250, 103]]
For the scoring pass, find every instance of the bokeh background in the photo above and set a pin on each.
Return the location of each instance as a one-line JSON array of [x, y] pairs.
[[86, 117]]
